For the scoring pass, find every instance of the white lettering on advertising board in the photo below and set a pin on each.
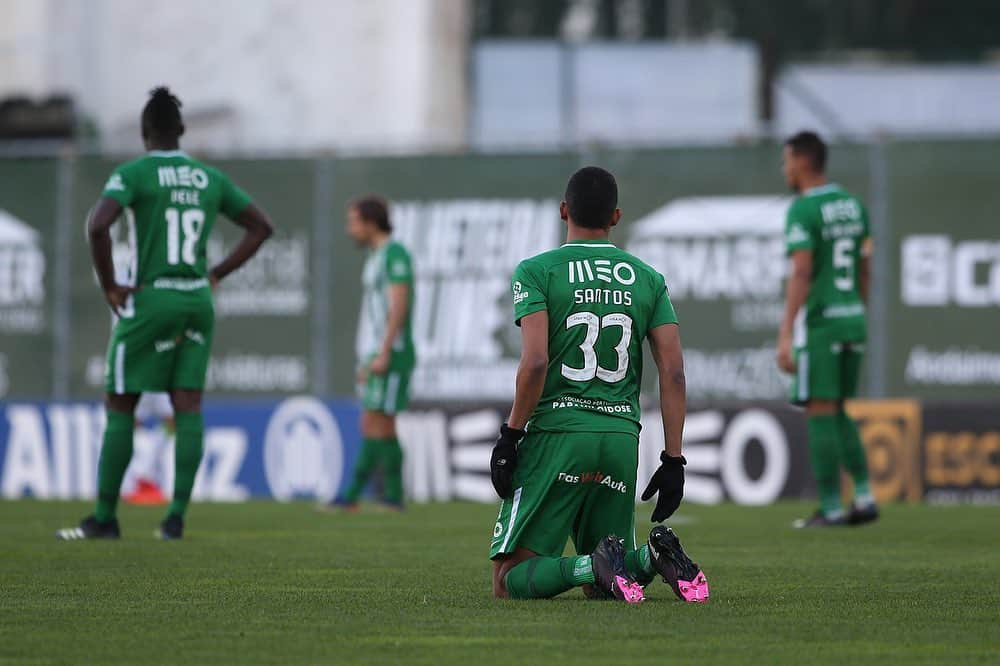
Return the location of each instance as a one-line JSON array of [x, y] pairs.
[[464, 253], [22, 277]]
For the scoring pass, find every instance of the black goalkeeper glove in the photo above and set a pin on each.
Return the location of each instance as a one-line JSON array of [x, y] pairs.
[[668, 484], [504, 460]]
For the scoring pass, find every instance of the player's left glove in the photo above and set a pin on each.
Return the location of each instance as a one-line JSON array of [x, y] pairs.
[[504, 460], [668, 485]]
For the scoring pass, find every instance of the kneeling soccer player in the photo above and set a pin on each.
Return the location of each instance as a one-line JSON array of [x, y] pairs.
[[565, 462]]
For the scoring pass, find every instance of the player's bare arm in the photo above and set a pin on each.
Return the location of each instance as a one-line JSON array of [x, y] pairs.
[[528, 389], [531, 368], [668, 481], [799, 283], [103, 215], [257, 229], [665, 344], [865, 269], [399, 307]]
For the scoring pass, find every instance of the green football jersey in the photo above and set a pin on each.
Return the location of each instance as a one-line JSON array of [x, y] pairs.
[[601, 303], [833, 224], [389, 264], [174, 200]]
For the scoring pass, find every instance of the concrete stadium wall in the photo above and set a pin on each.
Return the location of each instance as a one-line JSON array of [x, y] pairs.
[[253, 75]]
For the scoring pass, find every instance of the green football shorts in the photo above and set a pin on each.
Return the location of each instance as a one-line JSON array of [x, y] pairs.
[[826, 370], [389, 393], [579, 485], [163, 342]]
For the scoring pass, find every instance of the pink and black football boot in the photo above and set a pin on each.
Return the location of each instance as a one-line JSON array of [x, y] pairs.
[[683, 576], [611, 578]]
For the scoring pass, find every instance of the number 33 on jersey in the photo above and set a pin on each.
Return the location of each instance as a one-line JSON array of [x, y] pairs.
[[601, 303]]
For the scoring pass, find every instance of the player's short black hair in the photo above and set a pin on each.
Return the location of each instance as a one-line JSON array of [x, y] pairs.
[[373, 208], [809, 144], [592, 197], [161, 117]]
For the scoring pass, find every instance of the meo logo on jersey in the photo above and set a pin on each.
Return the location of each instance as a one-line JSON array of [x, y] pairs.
[[182, 176], [600, 269]]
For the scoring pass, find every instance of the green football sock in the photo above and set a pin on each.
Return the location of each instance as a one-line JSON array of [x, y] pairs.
[[638, 564], [544, 577], [825, 456], [852, 452], [116, 452], [392, 466], [367, 459], [187, 456]]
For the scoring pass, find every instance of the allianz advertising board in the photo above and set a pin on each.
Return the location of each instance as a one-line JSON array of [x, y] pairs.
[[304, 448]]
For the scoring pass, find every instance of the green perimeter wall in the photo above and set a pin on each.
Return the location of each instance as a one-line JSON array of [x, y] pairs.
[[287, 321]]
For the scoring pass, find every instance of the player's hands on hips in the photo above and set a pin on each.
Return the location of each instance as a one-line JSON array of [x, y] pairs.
[[504, 460], [668, 486], [785, 360], [380, 364], [116, 296]]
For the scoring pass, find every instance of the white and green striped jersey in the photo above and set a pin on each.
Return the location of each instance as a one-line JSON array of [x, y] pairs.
[[386, 265]]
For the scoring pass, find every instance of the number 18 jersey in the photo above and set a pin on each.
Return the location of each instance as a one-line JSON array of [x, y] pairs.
[[174, 200], [601, 303]]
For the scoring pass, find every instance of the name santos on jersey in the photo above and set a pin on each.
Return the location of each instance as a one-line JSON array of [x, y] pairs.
[[602, 296]]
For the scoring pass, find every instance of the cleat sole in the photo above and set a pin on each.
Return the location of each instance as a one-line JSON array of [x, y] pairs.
[[627, 591], [694, 591]]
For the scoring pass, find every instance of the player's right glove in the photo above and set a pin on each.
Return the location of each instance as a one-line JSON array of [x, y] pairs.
[[668, 486], [504, 460]]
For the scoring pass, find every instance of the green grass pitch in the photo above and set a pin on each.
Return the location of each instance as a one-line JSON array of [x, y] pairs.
[[268, 583]]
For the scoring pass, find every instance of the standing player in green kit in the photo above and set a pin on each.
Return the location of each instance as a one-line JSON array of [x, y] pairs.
[[565, 463], [386, 356], [163, 338], [823, 333]]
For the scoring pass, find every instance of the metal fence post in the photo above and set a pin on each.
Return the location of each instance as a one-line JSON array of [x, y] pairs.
[[322, 247], [878, 310], [61, 276]]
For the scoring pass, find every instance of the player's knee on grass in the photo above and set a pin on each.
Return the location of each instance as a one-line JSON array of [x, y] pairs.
[[502, 566], [500, 570]]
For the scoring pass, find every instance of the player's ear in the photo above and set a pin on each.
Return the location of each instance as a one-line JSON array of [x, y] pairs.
[[563, 211], [616, 217]]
